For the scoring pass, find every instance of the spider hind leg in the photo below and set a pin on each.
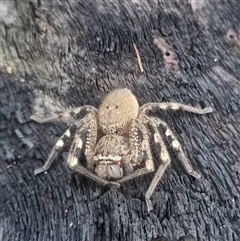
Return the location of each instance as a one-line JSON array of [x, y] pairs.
[[165, 158], [177, 147]]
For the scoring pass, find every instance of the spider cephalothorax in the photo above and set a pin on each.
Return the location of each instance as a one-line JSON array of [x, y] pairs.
[[116, 146]]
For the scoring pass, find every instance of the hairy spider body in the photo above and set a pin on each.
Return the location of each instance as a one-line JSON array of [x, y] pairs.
[[116, 144]]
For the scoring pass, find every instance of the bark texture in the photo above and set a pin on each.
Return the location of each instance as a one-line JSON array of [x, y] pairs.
[[60, 54]]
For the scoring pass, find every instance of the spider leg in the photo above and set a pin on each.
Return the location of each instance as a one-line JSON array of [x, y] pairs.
[[65, 116], [61, 143], [146, 155], [177, 147], [56, 149], [164, 155], [76, 148], [91, 140], [175, 106], [134, 158]]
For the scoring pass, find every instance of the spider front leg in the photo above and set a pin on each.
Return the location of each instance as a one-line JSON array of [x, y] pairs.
[[175, 106], [64, 116], [74, 154]]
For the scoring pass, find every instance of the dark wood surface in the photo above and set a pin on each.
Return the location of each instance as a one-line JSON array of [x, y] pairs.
[[61, 54]]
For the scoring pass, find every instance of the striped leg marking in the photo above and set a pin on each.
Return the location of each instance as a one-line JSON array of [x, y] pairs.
[[175, 106], [56, 149], [164, 155], [177, 147]]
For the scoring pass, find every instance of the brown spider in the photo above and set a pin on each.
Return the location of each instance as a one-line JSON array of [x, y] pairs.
[[115, 140]]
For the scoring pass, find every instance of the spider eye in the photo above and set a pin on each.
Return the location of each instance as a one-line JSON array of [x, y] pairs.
[[116, 106], [107, 107]]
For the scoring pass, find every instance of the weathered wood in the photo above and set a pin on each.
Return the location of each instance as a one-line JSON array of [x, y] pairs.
[[61, 54]]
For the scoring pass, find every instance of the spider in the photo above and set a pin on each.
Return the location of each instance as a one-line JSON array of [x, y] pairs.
[[115, 140]]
